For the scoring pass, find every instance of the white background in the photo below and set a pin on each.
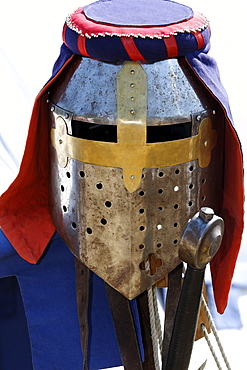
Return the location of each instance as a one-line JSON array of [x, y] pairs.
[[29, 45]]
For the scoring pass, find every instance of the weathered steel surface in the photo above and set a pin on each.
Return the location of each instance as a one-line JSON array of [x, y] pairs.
[[131, 153], [201, 238], [115, 232], [91, 93]]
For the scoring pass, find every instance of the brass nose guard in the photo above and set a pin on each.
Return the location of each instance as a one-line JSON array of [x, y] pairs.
[[131, 152], [131, 119]]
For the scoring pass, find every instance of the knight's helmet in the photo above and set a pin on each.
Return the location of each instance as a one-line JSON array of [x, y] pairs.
[[136, 139]]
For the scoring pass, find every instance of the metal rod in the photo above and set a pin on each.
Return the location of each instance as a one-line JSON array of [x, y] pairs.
[[185, 321]]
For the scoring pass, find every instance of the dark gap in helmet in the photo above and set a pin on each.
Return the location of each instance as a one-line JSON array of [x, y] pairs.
[[156, 134], [93, 131], [108, 133]]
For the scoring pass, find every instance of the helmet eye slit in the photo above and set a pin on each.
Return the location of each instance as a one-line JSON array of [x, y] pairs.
[[173, 132], [108, 133], [93, 131]]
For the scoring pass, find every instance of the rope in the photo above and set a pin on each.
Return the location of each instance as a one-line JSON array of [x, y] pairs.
[[153, 328], [205, 333], [156, 331], [214, 330], [157, 317], [154, 319]]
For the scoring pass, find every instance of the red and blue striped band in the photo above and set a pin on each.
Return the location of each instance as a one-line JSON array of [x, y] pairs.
[[114, 43]]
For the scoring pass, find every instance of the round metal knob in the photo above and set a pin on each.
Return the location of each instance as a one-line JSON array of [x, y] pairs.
[[201, 238], [206, 213]]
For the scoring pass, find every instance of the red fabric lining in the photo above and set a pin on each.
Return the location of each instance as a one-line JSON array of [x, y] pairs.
[[24, 208], [81, 44], [131, 48], [223, 264], [171, 47], [200, 40]]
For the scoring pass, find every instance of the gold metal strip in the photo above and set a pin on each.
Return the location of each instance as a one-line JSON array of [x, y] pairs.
[[133, 157], [132, 153]]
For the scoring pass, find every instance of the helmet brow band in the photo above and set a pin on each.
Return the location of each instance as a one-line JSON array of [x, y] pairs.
[[133, 157]]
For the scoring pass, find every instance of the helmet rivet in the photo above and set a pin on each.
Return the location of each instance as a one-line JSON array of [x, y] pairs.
[[198, 118], [66, 115], [132, 177], [132, 85], [52, 108], [205, 143], [206, 214], [132, 98], [132, 112], [60, 141], [132, 72], [214, 112]]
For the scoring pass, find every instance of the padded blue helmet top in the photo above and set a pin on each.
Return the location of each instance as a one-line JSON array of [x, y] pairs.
[[118, 30]]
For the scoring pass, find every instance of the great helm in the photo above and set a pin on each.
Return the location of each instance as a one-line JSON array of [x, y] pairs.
[[135, 142]]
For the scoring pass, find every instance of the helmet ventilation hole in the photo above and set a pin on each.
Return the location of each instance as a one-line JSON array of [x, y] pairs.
[[68, 174], [141, 193], [141, 210], [160, 209], [73, 225], [142, 228], [62, 188], [82, 173], [108, 204], [99, 185], [176, 188], [89, 230], [160, 191], [65, 209], [103, 221], [151, 264]]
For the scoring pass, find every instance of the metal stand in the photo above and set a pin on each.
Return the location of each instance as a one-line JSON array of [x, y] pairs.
[[200, 241]]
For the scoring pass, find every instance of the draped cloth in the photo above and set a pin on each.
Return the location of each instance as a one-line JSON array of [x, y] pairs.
[[52, 337], [24, 207]]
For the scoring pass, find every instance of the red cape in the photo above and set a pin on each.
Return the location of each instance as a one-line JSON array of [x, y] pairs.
[[24, 208]]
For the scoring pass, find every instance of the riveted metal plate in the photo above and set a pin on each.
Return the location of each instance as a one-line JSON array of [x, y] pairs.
[[91, 93], [133, 155], [115, 231]]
